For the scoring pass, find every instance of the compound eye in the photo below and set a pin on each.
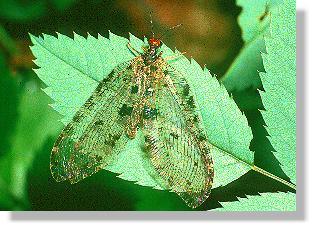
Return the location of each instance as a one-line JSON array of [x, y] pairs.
[[155, 42]]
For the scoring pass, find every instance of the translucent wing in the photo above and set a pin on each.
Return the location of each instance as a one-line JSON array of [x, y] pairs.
[[96, 134], [177, 145]]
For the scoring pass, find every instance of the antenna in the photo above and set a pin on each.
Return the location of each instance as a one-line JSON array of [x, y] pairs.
[[176, 26], [167, 30], [151, 23], [171, 28]]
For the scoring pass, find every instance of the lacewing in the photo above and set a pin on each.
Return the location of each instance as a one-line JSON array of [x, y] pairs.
[[144, 94]]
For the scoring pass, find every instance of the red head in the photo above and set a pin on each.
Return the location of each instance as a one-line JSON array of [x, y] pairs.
[[154, 42]]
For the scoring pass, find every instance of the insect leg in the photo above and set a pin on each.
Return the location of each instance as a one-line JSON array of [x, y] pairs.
[[133, 50], [174, 56]]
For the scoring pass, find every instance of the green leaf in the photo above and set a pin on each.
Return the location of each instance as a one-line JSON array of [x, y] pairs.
[[254, 22], [72, 68], [8, 115], [8, 99], [264, 202], [254, 19], [7, 41], [279, 83], [36, 122]]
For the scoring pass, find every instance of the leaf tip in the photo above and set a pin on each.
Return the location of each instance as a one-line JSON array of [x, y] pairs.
[[31, 35], [75, 36], [110, 34], [88, 35], [58, 34], [35, 70]]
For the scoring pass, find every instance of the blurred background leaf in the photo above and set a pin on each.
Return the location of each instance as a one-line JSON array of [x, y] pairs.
[[17, 10], [62, 4], [34, 122], [9, 94], [25, 11], [254, 21], [8, 102]]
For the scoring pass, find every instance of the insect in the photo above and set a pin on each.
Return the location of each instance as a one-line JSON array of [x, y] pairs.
[[149, 95]]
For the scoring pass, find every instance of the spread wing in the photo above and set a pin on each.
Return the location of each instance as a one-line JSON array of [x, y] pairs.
[[177, 144], [96, 134]]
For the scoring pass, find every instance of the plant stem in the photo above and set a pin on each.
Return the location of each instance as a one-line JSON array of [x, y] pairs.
[[259, 170], [266, 173]]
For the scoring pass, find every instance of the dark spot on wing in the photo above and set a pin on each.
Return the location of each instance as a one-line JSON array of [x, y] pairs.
[[76, 146], [166, 72], [186, 90], [153, 68], [149, 113], [190, 102], [99, 123], [105, 80], [98, 158], [112, 139], [55, 162], [174, 135], [195, 118], [202, 137], [110, 142], [125, 110], [170, 180], [134, 89], [149, 91]]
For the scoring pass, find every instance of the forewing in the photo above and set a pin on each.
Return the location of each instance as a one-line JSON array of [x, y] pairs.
[[95, 136], [177, 144]]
